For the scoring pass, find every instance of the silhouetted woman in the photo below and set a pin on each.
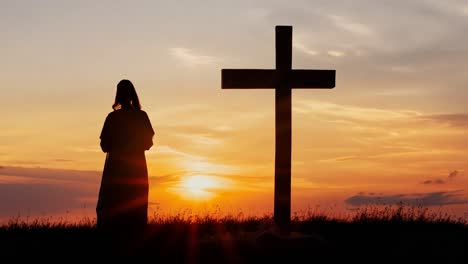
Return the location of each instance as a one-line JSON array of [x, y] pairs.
[[126, 134]]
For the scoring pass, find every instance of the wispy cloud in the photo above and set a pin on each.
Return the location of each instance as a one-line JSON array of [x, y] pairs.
[[258, 13], [200, 139], [191, 58], [335, 53], [341, 158], [421, 199], [350, 26], [297, 44], [86, 149], [465, 10], [403, 69], [62, 160], [223, 128], [457, 119], [447, 7], [164, 149], [208, 167], [401, 92], [351, 112]]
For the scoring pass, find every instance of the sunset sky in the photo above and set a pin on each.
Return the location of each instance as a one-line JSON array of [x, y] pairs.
[[394, 129]]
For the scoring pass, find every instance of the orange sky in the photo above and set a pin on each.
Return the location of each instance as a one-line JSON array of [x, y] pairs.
[[394, 127]]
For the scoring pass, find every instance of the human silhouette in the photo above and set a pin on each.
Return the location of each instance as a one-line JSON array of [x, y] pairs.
[[126, 134]]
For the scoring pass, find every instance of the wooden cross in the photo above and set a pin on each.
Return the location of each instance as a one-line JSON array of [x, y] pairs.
[[282, 79]]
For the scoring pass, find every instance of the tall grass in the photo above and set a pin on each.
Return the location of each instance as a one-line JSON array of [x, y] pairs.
[[48, 223], [404, 214], [398, 214]]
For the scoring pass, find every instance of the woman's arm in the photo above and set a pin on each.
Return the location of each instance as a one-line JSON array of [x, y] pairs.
[[105, 135], [148, 133]]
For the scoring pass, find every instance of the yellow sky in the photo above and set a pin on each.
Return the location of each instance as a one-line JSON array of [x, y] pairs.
[[394, 127]]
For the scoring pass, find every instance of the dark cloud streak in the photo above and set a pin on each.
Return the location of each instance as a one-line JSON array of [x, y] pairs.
[[453, 174], [436, 181], [53, 174], [421, 199], [455, 120], [450, 177], [34, 199]]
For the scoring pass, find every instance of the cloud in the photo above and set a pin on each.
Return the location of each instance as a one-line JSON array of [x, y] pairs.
[[465, 10], [297, 44], [453, 174], [341, 158], [456, 120], [350, 112], [335, 53], [189, 58], [448, 7], [36, 199], [450, 177], [258, 14], [90, 149], [421, 199], [350, 26], [400, 36], [42, 191], [437, 181], [223, 128], [51, 175], [201, 139], [170, 150], [375, 119], [62, 160], [403, 69]]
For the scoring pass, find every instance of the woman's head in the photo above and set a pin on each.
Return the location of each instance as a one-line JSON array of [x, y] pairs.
[[126, 96]]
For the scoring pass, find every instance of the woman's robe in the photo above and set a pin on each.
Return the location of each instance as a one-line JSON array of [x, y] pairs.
[[123, 195]]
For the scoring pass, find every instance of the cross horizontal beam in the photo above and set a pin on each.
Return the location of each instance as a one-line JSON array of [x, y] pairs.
[[267, 79]]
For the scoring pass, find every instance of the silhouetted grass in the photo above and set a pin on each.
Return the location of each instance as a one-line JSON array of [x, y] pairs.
[[404, 214], [18, 223], [393, 231]]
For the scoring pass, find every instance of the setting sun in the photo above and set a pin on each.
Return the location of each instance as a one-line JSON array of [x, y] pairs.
[[200, 187]]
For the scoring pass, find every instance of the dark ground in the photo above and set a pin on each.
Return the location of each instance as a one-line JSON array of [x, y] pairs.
[[320, 241]]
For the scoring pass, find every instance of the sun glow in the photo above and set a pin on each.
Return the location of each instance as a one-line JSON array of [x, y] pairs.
[[200, 187]]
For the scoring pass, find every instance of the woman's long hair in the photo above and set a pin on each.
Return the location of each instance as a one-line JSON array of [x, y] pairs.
[[126, 96]]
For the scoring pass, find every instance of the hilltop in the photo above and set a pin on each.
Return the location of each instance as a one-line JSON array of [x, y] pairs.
[[377, 236]]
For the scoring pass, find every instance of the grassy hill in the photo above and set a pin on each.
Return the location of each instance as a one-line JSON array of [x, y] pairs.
[[377, 235]]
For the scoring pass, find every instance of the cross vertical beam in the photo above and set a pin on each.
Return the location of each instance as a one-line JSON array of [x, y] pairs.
[[282, 199]]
